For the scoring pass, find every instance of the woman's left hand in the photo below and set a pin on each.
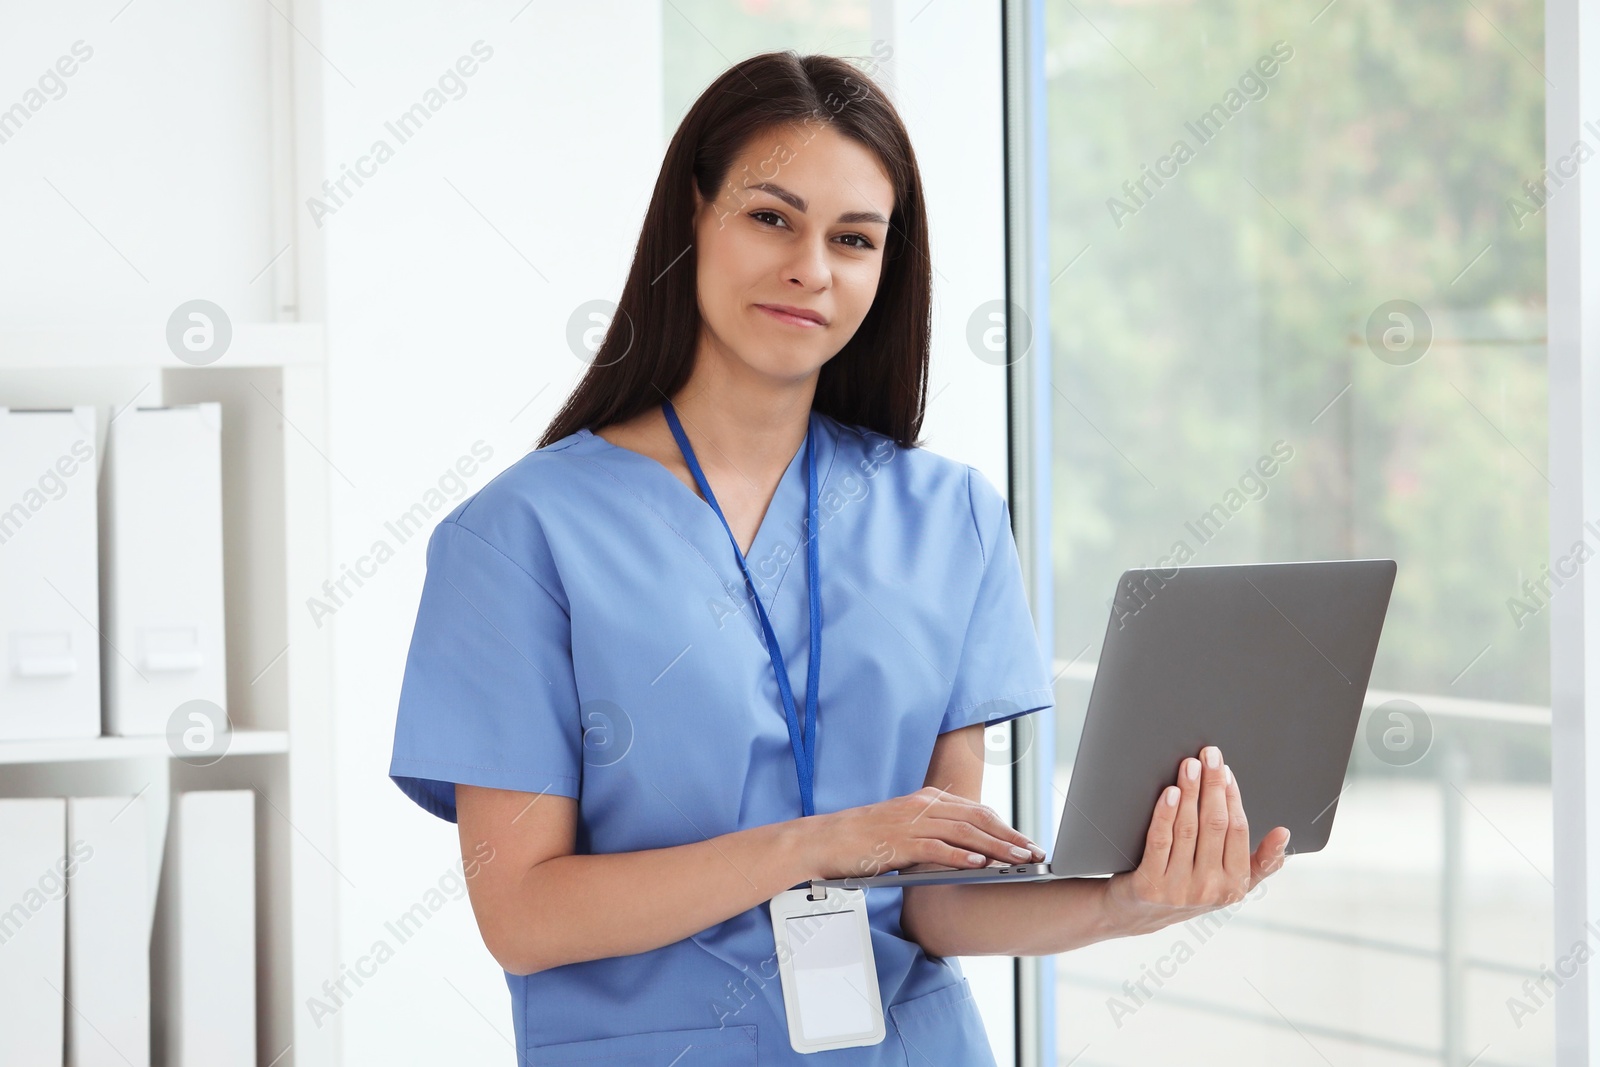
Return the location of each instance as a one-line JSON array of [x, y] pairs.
[[1197, 852]]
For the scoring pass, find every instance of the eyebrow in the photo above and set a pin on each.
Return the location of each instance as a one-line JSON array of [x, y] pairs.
[[799, 204]]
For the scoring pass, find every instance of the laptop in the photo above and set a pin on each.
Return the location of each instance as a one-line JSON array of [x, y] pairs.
[[1268, 661]]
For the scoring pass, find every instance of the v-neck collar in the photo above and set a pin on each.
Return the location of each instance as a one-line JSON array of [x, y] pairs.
[[783, 523]]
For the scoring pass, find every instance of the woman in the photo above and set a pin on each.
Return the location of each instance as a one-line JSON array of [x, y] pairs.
[[592, 691]]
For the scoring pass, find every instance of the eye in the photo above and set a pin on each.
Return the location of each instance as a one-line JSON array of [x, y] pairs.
[[865, 245], [763, 211]]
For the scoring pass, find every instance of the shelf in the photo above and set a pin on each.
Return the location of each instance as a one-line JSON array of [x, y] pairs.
[[254, 344], [73, 750]]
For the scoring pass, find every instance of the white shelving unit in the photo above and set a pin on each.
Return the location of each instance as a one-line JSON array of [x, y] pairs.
[[275, 546], [272, 386], [279, 344], [83, 750]]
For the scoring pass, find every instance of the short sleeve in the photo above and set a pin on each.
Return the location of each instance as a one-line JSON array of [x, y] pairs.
[[488, 697], [1002, 672]]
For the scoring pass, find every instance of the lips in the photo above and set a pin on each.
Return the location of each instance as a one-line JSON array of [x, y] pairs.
[[802, 317]]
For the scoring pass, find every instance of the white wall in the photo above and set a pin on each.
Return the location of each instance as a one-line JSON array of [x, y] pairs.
[[141, 181], [447, 327], [946, 81]]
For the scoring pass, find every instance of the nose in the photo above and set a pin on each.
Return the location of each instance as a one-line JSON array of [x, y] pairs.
[[809, 266]]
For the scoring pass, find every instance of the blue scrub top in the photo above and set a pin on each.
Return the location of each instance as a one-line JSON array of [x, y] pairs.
[[584, 630]]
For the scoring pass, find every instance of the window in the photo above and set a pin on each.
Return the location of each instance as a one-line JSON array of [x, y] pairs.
[[1319, 234]]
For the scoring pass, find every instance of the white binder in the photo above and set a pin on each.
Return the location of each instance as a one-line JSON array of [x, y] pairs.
[[204, 947], [161, 565], [33, 931], [49, 585], [108, 933]]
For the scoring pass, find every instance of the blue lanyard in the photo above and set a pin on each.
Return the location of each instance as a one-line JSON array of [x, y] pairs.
[[803, 743]]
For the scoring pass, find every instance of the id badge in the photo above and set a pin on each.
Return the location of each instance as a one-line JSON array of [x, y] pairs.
[[830, 982]]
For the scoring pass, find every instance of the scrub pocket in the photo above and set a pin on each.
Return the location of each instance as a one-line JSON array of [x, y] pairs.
[[714, 1046], [943, 1029]]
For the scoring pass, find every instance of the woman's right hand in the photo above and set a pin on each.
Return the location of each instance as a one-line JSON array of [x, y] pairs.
[[930, 826]]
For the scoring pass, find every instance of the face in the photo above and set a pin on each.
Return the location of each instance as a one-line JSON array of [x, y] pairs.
[[800, 222]]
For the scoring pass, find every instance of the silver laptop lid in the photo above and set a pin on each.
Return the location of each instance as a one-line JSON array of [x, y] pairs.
[[1268, 661]]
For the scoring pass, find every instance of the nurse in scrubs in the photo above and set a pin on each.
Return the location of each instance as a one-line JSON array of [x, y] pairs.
[[729, 628]]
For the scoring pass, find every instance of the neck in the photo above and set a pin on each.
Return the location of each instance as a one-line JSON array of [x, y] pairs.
[[741, 419]]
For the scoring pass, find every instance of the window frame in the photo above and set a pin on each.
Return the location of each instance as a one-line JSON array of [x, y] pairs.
[[1572, 258], [1028, 388]]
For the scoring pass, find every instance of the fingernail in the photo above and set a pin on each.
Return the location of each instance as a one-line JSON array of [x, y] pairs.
[[1171, 796], [1286, 837], [973, 857], [1213, 756], [1229, 772], [1020, 853], [1191, 768]]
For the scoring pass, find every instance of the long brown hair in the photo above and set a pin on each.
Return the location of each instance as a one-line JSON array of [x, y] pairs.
[[879, 378]]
